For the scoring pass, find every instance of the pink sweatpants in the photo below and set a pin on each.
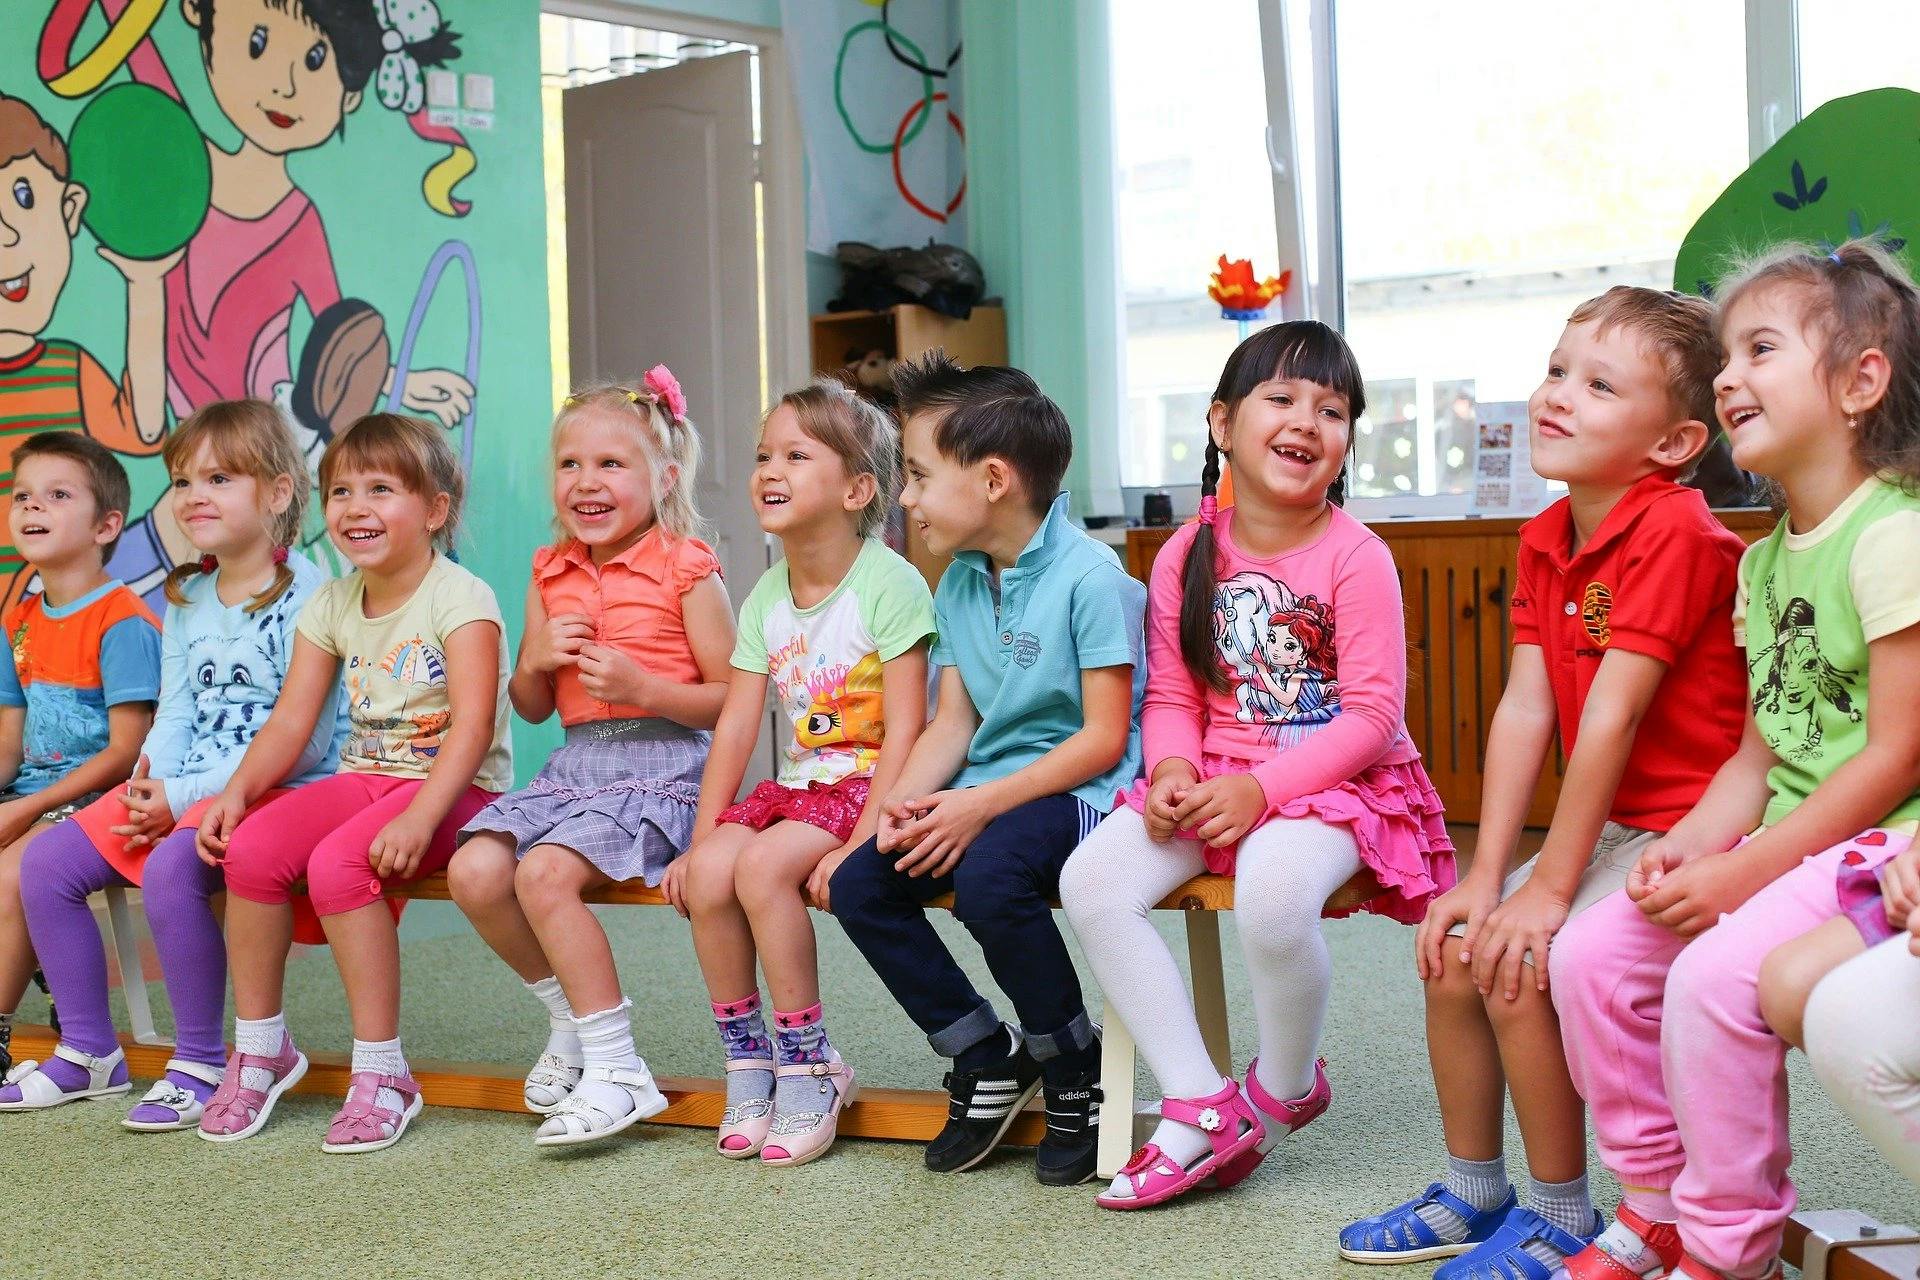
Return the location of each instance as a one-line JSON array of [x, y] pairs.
[[1686, 1082], [320, 833]]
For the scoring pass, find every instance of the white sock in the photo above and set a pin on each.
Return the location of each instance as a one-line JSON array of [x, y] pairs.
[[563, 1041], [383, 1056], [259, 1038], [606, 1039]]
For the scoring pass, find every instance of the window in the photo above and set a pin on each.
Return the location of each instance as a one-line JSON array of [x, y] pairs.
[[1847, 46]]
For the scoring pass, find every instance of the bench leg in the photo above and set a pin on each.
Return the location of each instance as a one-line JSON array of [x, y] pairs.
[[1116, 1085], [133, 981], [1209, 986]]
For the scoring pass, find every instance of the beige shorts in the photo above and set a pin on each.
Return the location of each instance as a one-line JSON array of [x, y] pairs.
[[1614, 854]]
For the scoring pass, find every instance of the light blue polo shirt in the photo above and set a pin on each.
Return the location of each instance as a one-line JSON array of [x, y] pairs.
[[1065, 606]]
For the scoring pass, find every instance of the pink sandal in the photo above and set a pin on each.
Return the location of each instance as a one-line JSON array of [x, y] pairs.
[[1230, 1125], [362, 1125], [799, 1139], [743, 1128], [235, 1112], [1283, 1119]]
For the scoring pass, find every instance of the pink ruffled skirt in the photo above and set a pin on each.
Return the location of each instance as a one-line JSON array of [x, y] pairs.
[[1397, 820]]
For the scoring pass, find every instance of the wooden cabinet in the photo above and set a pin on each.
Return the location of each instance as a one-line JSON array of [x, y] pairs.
[[904, 332], [1456, 577]]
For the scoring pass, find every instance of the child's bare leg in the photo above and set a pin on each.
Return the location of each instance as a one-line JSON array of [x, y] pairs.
[[1465, 1057], [722, 938], [1553, 1119], [16, 949], [1791, 972], [259, 935], [769, 878], [550, 884], [366, 948], [481, 879]]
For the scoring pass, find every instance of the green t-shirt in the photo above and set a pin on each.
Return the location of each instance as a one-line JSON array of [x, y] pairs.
[[823, 664], [1808, 606]]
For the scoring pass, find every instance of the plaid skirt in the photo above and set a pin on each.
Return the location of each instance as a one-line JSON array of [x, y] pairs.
[[620, 793]]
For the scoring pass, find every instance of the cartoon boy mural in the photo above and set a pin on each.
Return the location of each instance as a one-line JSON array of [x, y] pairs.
[[286, 74], [51, 384]]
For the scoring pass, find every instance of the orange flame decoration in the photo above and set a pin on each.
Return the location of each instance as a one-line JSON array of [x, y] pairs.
[[1241, 296]]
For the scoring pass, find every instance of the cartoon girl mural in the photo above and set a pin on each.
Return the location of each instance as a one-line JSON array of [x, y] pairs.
[[1282, 646]]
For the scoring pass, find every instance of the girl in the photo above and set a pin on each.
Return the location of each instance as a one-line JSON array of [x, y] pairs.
[[1345, 790], [426, 749], [239, 489], [1660, 1007], [628, 632], [838, 629]]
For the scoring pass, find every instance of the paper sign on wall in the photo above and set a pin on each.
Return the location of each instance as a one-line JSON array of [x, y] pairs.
[[1504, 482]]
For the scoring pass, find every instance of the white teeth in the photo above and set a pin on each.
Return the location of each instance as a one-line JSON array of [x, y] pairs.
[[14, 285]]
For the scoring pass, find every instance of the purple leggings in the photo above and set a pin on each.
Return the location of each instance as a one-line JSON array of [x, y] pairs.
[[60, 868]]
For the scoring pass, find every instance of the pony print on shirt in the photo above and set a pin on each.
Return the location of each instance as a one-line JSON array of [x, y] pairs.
[[1278, 647], [1795, 680]]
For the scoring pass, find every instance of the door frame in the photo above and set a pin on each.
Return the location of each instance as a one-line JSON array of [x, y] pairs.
[[780, 165]]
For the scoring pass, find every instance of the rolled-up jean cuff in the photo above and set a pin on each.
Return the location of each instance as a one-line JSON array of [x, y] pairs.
[[953, 1040], [1077, 1034]]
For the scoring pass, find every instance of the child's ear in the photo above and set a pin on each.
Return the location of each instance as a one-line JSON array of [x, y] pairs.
[[1219, 424], [999, 478], [1683, 443], [437, 512], [73, 203], [109, 527], [1867, 384], [861, 493], [281, 496]]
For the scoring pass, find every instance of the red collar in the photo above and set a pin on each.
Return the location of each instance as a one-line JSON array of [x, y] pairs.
[[1551, 532]]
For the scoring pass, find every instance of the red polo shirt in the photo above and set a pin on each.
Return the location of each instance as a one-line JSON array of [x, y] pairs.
[[1657, 578]]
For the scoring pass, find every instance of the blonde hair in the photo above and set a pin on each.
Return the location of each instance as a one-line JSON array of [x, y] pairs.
[[412, 451], [250, 438], [1853, 297], [667, 442], [860, 432]]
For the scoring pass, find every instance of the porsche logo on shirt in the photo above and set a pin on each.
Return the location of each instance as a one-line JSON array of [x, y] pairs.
[[1596, 607]]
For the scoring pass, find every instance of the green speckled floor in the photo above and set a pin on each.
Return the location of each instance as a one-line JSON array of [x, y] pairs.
[[466, 1195]]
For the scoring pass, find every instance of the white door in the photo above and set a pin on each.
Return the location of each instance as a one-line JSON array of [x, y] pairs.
[[663, 268], [663, 264]]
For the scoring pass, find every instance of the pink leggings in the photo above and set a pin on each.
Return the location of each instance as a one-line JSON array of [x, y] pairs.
[[320, 833], [1686, 1081]]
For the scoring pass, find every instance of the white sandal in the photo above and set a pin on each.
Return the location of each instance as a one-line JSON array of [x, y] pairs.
[[186, 1108], [38, 1091], [549, 1084], [580, 1119]]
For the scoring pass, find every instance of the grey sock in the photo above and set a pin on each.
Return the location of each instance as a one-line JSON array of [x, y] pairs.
[[798, 1101], [1481, 1183], [1567, 1205]]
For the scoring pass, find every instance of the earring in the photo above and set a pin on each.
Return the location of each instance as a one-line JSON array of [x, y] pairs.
[[1853, 423]]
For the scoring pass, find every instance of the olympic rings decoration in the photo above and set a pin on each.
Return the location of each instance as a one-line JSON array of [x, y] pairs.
[[451, 252], [900, 137], [939, 73], [839, 98], [128, 25]]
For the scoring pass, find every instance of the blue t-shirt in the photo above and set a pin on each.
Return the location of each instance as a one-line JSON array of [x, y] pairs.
[[68, 664], [221, 670], [1066, 606]]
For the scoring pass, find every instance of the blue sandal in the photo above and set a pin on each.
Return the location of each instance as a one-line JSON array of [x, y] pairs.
[[1502, 1256], [1398, 1235]]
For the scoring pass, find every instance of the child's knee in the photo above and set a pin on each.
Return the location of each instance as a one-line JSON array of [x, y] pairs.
[[1453, 990], [339, 879], [709, 880], [482, 872], [860, 882], [988, 886], [761, 874], [1787, 978], [1529, 1007], [547, 875], [1715, 971]]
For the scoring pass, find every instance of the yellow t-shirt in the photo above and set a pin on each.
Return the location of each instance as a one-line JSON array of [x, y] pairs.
[[396, 671]]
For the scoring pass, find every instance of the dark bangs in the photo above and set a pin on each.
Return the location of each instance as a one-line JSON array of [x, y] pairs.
[[1299, 349]]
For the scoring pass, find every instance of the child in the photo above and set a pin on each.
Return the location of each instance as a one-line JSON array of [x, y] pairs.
[[426, 749], [78, 695], [239, 489], [1619, 606], [1845, 993], [1278, 595], [838, 630], [1040, 641], [628, 629], [1657, 987]]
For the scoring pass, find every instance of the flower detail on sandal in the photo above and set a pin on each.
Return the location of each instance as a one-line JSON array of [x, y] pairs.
[[362, 1124], [1154, 1178]]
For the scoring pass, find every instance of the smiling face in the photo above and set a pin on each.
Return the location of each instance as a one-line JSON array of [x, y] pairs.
[[798, 482], [39, 217], [1781, 411], [603, 482], [55, 519], [1604, 408], [950, 502], [274, 73], [1286, 441], [223, 511], [381, 526]]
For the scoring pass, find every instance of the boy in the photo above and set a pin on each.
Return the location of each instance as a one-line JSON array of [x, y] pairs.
[[1042, 650], [50, 381], [78, 691], [1621, 644]]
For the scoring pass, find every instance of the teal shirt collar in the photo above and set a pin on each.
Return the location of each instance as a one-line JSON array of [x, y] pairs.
[[1039, 549]]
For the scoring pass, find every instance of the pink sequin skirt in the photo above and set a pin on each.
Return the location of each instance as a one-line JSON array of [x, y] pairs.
[[834, 809]]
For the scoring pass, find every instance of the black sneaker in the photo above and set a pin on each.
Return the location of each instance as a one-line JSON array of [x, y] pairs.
[[53, 1014], [1068, 1154], [6, 1048], [981, 1107]]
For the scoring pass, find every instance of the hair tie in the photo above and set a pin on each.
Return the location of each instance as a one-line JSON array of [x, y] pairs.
[[279, 555], [208, 564], [1835, 255], [665, 389], [1209, 508]]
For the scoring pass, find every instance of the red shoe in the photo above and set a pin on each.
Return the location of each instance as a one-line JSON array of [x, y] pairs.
[[1694, 1269], [1595, 1263], [1283, 1118]]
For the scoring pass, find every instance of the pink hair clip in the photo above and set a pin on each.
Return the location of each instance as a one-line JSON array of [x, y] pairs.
[[279, 555], [209, 563], [661, 382], [1209, 508]]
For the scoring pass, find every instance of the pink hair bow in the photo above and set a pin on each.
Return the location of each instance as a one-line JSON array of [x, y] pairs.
[[661, 382]]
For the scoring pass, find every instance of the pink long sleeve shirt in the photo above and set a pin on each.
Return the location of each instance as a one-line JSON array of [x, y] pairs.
[[1313, 642]]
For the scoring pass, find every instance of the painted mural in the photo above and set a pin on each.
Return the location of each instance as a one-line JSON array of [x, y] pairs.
[[205, 199]]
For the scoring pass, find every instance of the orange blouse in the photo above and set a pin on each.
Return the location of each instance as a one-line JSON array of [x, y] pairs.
[[633, 602]]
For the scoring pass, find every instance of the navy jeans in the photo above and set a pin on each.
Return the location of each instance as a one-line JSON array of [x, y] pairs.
[[1003, 888]]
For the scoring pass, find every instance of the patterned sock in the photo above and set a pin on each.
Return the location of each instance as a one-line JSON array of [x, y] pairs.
[[743, 1034], [606, 1040], [1568, 1206], [1481, 1183], [260, 1038], [385, 1057], [1623, 1243], [801, 1037], [563, 1042]]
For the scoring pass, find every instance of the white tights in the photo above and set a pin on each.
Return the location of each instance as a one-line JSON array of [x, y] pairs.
[[1287, 870], [1863, 1034]]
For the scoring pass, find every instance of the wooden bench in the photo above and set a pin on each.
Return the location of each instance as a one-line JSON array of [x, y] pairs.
[[1842, 1244], [876, 1113]]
